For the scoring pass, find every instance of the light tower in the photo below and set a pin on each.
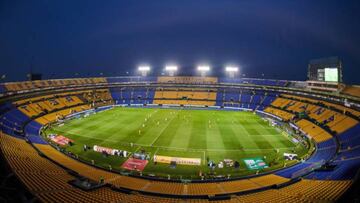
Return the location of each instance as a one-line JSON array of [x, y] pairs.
[[231, 71], [171, 69], [203, 69], [144, 70]]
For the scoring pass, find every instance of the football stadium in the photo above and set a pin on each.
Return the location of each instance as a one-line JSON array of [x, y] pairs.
[[179, 101], [175, 139]]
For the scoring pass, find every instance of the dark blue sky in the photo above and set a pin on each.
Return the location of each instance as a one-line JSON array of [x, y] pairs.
[[277, 38]]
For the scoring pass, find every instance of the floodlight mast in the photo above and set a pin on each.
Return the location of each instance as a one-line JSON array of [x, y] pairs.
[[171, 69], [203, 70], [231, 71], [144, 70]]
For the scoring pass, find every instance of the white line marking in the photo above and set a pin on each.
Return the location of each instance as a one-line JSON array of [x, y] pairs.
[[204, 158], [156, 151], [220, 150], [163, 129]]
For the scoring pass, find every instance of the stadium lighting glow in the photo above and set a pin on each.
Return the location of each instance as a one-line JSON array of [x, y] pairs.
[[231, 69], [144, 68], [203, 68], [171, 68]]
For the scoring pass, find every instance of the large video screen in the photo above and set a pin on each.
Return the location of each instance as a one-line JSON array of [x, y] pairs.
[[331, 75]]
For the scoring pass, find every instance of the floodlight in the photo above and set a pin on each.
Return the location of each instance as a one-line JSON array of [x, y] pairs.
[[231, 69], [144, 68], [203, 68], [171, 68]]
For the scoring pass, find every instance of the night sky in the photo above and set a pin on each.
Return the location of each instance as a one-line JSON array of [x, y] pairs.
[[86, 38]]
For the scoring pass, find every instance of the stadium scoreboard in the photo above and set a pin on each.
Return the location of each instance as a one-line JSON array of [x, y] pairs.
[[325, 70]]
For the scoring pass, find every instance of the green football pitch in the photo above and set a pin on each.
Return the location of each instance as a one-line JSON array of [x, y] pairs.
[[206, 134]]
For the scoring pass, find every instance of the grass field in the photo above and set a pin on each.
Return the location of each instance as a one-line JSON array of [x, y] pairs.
[[205, 134]]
